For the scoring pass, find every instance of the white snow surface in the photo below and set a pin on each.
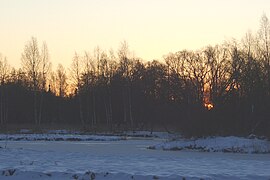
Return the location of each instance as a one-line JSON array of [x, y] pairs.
[[112, 159], [218, 144]]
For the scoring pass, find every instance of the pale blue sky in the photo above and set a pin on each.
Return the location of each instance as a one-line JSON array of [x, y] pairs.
[[151, 27]]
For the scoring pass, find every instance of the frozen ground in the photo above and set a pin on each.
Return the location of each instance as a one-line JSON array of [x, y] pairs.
[[65, 135], [123, 160], [14, 174], [146, 134], [58, 137], [218, 144]]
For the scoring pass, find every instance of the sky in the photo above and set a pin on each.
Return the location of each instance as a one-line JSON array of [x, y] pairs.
[[152, 28]]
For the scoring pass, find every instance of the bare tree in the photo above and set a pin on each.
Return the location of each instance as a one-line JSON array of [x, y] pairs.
[[45, 68], [53, 83], [61, 78], [176, 75], [112, 64], [61, 88], [4, 73], [97, 55], [31, 62], [218, 60], [105, 74], [88, 73], [125, 61], [76, 73], [237, 63], [126, 71], [45, 65], [4, 69], [197, 70], [264, 42]]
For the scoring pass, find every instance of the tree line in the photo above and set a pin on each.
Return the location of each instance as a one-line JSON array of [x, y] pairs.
[[222, 89]]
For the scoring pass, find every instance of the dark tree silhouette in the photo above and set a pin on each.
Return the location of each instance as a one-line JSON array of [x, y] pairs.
[[222, 89]]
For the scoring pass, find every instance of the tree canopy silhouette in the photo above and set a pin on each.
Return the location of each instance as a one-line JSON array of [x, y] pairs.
[[221, 89]]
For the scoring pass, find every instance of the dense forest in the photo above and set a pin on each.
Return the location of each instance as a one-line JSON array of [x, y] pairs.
[[222, 89]]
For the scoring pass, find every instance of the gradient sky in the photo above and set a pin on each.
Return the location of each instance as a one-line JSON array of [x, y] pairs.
[[152, 28]]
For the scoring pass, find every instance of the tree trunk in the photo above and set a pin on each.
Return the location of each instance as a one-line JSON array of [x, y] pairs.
[[2, 104], [124, 106], [35, 107], [130, 108], [40, 108], [5, 107], [80, 109], [106, 112], [87, 106], [94, 120], [110, 109]]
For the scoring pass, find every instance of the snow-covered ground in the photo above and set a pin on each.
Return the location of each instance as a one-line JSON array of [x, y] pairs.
[[60, 155], [58, 137], [14, 174], [154, 134], [129, 159], [64, 135], [218, 144]]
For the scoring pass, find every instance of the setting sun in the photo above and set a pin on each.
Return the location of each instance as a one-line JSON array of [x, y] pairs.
[[209, 106]]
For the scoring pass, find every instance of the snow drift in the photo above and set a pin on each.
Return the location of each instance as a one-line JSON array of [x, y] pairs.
[[58, 137], [229, 144]]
